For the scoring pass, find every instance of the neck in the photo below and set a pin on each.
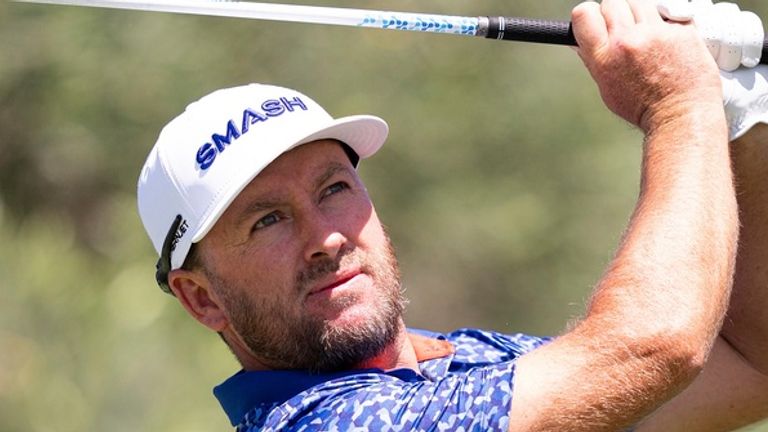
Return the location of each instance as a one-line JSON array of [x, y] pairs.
[[400, 354]]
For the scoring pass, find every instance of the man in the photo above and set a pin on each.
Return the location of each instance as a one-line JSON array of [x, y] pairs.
[[268, 237]]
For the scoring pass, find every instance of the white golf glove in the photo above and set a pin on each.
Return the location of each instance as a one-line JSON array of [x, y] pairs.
[[734, 37], [745, 95]]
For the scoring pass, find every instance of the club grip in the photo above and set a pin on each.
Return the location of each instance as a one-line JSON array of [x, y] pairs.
[[530, 30], [546, 31]]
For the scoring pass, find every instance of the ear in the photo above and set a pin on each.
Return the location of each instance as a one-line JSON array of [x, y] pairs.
[[193, 289]]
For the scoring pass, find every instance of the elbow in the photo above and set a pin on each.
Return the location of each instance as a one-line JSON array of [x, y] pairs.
[[673, 356], [653, 355], [682, 357], [666, 343]]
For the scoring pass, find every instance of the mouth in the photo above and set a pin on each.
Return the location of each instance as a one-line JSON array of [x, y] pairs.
[[337, 281]]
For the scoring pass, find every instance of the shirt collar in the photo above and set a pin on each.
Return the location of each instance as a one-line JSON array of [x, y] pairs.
[[247, 389]]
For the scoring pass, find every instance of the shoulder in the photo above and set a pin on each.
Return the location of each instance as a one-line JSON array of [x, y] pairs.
[[470, 389], [487, 346]]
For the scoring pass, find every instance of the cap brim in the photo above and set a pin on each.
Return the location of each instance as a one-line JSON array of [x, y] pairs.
[[365, 134]]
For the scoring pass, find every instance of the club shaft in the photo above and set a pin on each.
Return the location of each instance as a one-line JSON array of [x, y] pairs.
[[292, 13], [501, 28]]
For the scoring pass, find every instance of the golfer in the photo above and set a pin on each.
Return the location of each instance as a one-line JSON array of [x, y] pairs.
[[267, 236]]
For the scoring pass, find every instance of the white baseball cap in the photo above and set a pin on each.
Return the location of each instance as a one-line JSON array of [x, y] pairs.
[[208, 154]]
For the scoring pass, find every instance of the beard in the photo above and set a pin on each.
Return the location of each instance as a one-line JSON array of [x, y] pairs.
[[312, 343]]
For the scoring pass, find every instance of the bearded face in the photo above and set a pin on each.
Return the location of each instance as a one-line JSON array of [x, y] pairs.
[[314, 342], [302, 268]]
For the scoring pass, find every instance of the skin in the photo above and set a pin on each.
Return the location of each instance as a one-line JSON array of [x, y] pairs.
[[657, 310], [650, 345], [732, 391], [296, 246]]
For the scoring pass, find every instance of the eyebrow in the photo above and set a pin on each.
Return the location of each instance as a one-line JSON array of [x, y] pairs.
[[255, 207], [332, 170], [270, 203]]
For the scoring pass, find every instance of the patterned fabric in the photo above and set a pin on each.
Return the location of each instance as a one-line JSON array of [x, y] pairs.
[[470, 390]]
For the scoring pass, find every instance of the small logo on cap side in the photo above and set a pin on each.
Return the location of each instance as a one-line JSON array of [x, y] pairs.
[[207, 152], [179, 234]]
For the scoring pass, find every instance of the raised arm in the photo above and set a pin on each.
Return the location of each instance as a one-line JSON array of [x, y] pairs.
[[656, 312], [733, 389], [746, 324]]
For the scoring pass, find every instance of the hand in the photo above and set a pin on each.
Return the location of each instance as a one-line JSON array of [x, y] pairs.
[[734, 37], [648, 71], [745, 95]]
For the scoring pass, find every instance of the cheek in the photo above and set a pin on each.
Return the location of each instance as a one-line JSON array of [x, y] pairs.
[[372, 233], [264, 272], [358, 219]]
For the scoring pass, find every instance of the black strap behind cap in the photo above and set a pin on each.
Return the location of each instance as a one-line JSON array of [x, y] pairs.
[[163, 266]]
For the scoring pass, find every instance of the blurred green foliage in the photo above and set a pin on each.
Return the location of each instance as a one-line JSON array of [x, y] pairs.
[[505, 186]]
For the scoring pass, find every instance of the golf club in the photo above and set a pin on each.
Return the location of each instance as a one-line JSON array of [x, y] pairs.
[[521, 29], [501, 28]]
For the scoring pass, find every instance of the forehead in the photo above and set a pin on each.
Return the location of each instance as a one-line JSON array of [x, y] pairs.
[[300, 167]]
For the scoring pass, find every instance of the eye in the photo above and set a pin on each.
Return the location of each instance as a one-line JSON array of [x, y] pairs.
[[266, 221], [335, 188]]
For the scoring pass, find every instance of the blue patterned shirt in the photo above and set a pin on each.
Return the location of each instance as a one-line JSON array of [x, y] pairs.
[[465, 384]]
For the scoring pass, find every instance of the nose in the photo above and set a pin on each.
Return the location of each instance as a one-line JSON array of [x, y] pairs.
[[328, 248], [324, 239]]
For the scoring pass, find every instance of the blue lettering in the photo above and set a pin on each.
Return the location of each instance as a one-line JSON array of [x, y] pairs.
[[205, 155], [272, 108], [251, 117], [207, 152], [295, 102], [232, 134]]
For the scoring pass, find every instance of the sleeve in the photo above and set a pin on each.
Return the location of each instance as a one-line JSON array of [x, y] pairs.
[[475, 346], [476, 400]]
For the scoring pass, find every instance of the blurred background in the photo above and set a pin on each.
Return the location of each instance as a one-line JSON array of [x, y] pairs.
[[505, 186]]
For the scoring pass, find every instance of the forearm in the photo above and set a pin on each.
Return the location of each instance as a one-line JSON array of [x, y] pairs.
[[746, 325], [732, 391], [657, 310], [675, 262]]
